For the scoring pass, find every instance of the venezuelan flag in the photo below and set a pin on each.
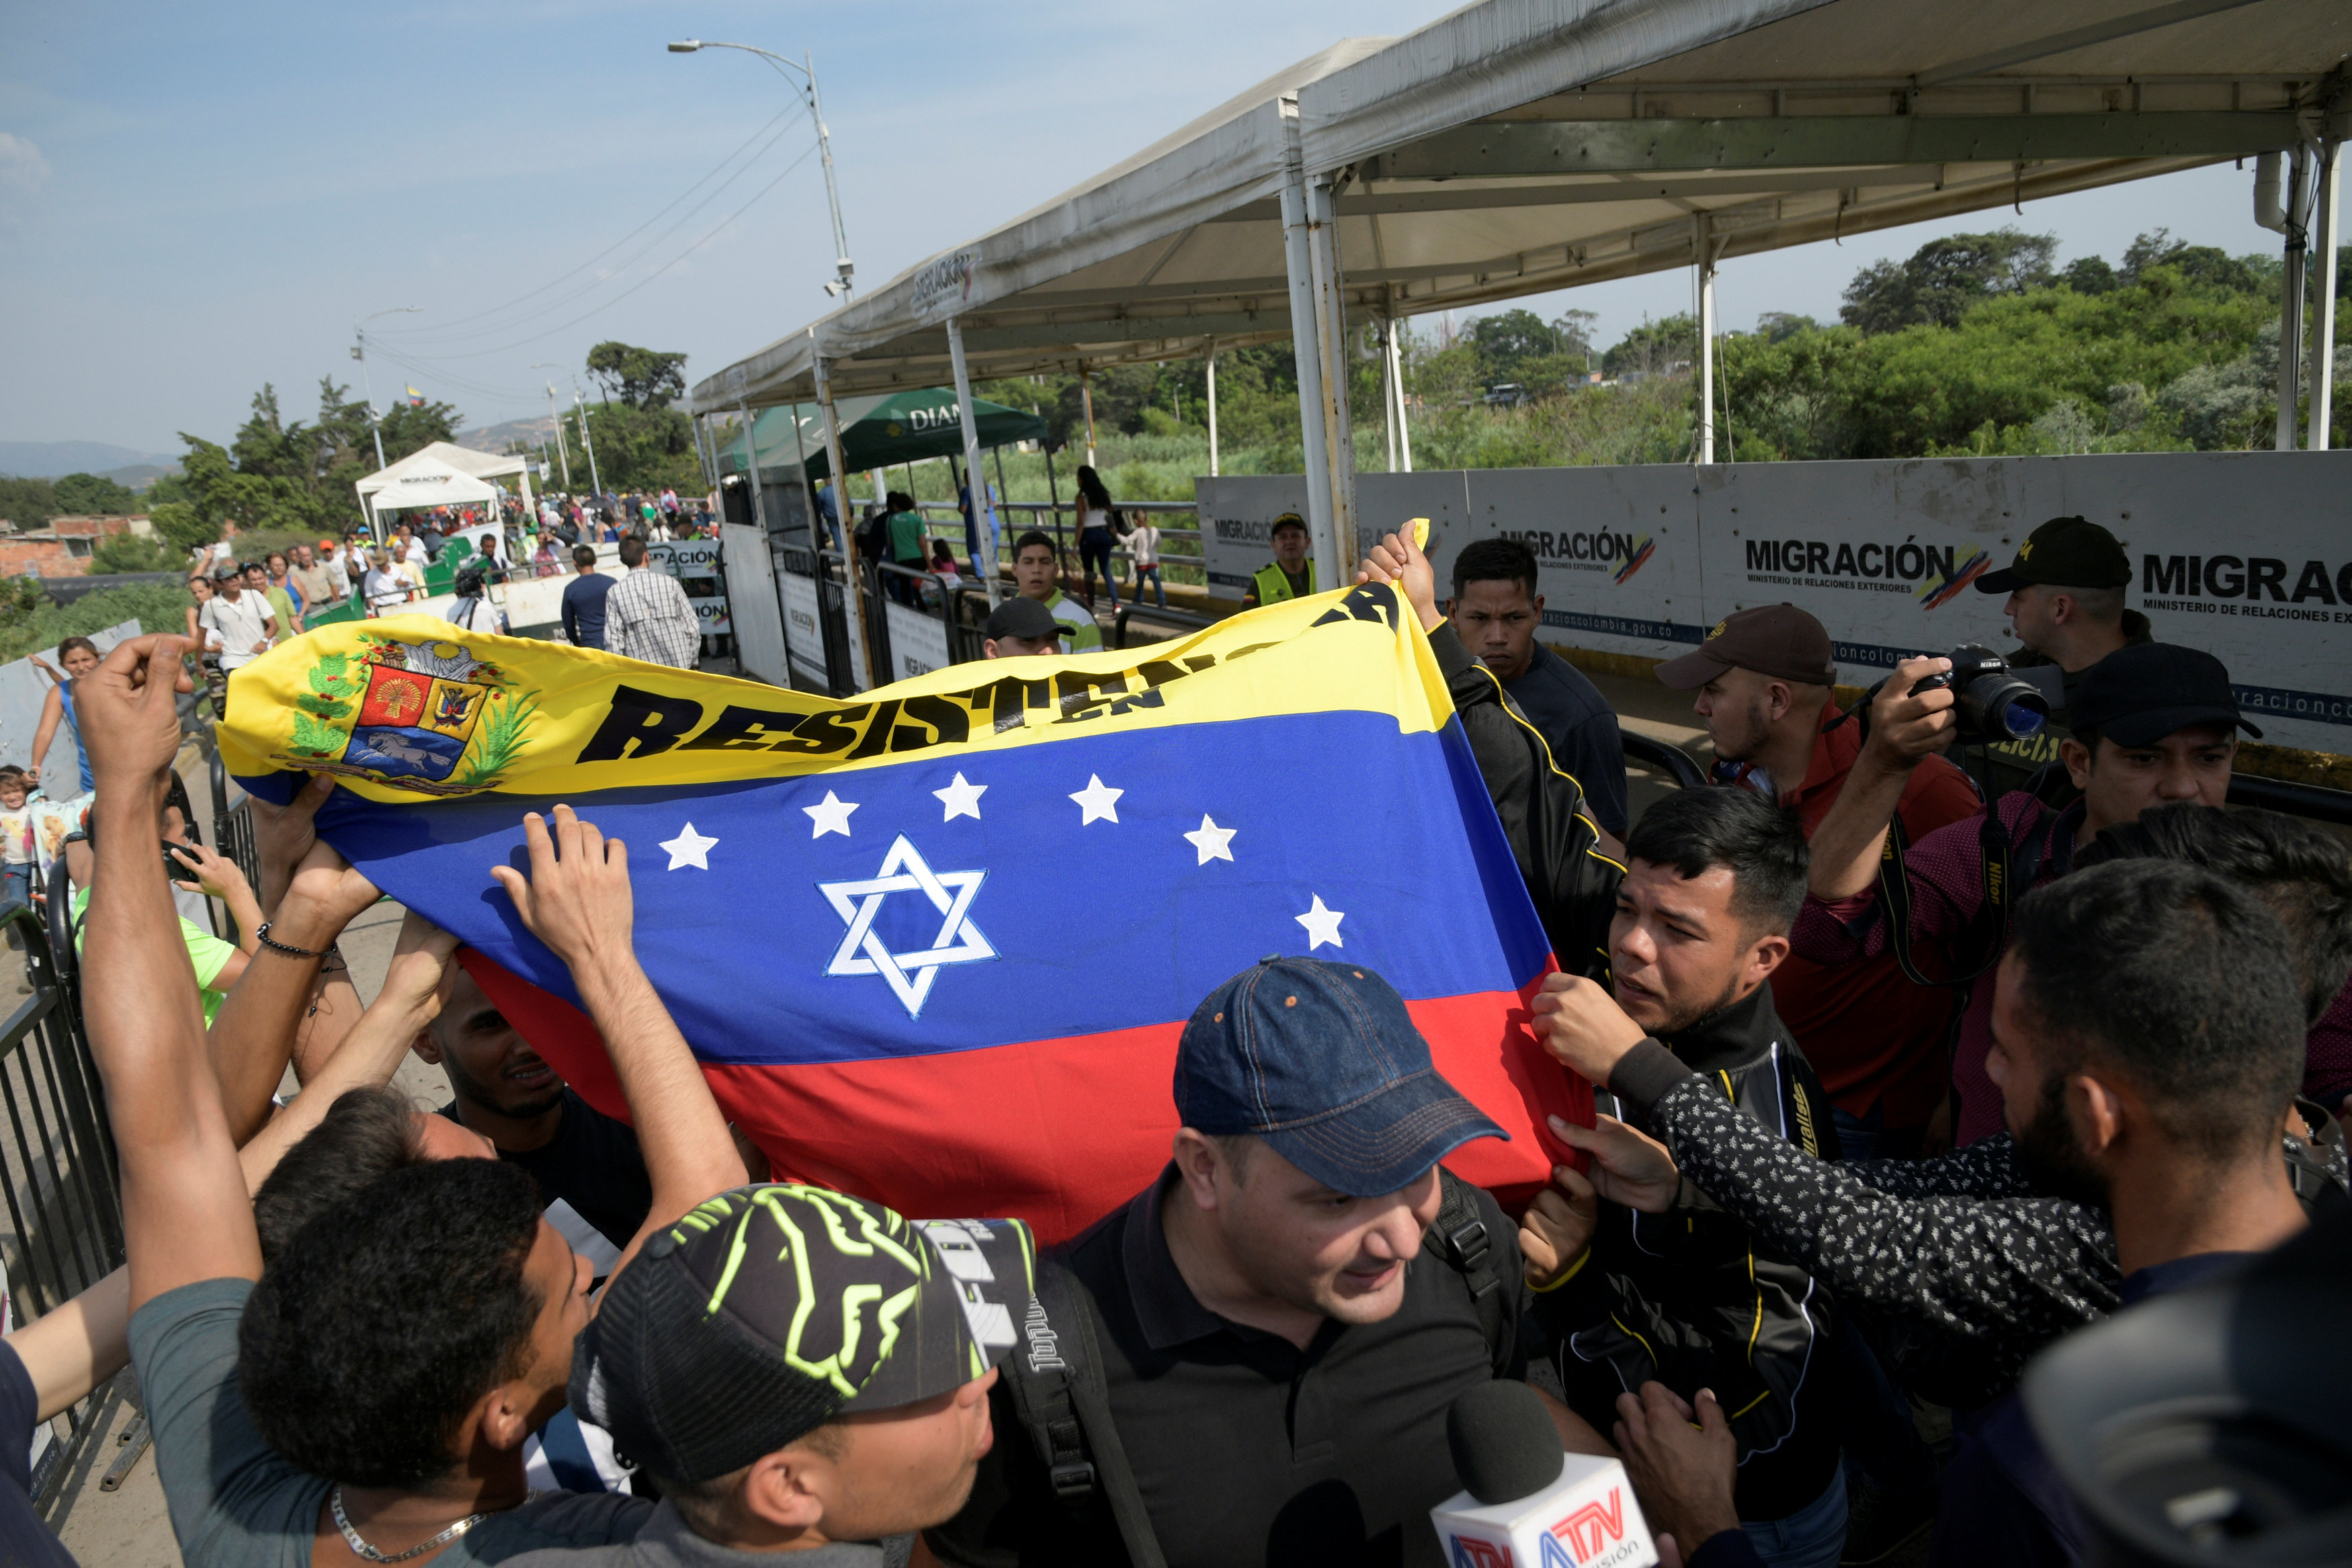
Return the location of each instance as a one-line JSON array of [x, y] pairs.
[[936, 945]]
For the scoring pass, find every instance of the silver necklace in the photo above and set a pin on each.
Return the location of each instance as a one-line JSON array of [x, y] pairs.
[[361, 1548]]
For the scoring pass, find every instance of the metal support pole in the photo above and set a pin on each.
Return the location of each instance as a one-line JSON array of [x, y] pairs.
[[2298, 240], [752, 465], [1306, 349], [2323, 320], [1087, 396], [555, 417], [855, 595], [817, 538], [580, 405], [983, 514], [1331, 326], [1386, 330], [1396, 391], [1211, 360], [1704, 244]]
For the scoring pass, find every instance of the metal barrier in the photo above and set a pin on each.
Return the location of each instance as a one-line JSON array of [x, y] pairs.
[[63, 1185], [1184, 621], [2311, 801], [232, 837], [1668, 758]]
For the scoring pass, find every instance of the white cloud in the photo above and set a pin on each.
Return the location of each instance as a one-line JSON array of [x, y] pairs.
[[22, 168]]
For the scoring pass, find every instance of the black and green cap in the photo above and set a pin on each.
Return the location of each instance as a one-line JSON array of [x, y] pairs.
[[770, 1309], [2065, 552]]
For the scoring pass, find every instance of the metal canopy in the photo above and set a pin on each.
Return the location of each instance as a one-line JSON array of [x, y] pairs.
[[1517, 146]]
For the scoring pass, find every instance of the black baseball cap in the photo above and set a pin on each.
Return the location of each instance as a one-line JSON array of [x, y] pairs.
[[1024, 618], [1287, 520], [2139, 695], [770, 1309], [1777, 640], [2065, 552], [1322, 1061]]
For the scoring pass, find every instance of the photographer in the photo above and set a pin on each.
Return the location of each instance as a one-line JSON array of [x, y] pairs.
[[1763, 679], [2153, 723], [2067, 604]]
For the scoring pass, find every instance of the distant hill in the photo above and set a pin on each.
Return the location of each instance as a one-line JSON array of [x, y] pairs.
[[495, 438], [139, 475], [56, 459]]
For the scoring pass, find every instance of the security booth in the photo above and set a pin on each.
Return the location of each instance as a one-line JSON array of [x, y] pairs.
[[899, 621]]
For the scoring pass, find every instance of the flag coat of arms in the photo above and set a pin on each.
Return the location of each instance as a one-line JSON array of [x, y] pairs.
[[935, 945]]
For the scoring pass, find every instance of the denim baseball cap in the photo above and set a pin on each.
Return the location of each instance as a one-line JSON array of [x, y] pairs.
[[1322, 1061]]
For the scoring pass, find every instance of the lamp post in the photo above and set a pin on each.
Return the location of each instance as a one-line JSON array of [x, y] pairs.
[[580, 405], [557, 420], [840, 286], [367, 383]]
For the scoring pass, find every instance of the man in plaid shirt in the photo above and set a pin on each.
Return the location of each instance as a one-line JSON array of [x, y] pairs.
[[647, 615]]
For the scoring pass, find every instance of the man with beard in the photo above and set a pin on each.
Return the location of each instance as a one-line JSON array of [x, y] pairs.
[[592, 1177], [1687, 1298], [2146, 1041], [1763, 679]]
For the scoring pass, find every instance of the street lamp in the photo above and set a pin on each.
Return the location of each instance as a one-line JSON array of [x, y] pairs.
[[367, 387], [557, 420], [839, 286]]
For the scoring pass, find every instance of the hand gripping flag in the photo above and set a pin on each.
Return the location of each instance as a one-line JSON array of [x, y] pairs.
[[935, 947]]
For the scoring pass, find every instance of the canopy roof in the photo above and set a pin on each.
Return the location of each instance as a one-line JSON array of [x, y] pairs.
[[423, 481], [1517, 146], [445, 456], [878, 431]]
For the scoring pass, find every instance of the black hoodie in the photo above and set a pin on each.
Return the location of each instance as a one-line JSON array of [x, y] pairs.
[[1687, 1298]]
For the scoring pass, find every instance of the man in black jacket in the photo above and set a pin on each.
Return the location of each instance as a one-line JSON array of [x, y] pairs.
[[1554, 841], [1686, 1296]]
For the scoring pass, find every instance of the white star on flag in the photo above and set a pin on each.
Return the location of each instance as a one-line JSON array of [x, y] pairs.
[[909, 974], [1322, 926], [830, 815], [962, 799], [1097, 801], [1213, 841], [689, 847]]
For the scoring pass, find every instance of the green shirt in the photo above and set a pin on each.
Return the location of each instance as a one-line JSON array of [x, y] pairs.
[[208, 952], [906, 538], [1080, 634], [281, 604]]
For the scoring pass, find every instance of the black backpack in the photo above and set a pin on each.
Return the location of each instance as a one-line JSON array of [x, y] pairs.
[[1056, 1384]]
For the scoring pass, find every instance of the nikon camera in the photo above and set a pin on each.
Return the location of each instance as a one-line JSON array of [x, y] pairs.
[[1994, 706]]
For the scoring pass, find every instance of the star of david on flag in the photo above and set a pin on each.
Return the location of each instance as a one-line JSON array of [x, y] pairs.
[[910, 975]]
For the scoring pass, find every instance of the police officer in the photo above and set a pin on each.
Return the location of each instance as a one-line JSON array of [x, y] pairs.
[[1290, 575], [2066, 603]]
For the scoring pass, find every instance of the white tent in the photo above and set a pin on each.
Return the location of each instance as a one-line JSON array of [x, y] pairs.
[[436, 470], [1517, 146]]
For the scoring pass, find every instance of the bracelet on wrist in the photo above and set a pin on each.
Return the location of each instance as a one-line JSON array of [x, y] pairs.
[[261, 935]]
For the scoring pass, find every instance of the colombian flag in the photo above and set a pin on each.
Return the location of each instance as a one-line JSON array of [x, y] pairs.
[[935, 945], [415, 398]]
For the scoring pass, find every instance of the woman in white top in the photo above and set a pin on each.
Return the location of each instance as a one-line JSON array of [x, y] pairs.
[[1145, 544]]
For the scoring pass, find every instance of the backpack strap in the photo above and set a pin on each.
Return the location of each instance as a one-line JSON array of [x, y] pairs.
[[1058, 1389], [1459, 1239], [2010, 868]]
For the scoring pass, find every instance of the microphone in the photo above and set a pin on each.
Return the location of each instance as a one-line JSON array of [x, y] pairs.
[[1526, 1504]]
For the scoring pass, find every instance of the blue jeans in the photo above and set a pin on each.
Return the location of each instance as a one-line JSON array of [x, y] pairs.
[[1867, 1137], [16, 884], [1095, 544], [1812, 1537], [1153, 572]]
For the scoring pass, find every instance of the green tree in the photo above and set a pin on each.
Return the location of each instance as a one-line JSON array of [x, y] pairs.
[[28, 503], [1945, 278], [31, 622], [642, 378], [127, 552], [88, 495], [1654, 348]]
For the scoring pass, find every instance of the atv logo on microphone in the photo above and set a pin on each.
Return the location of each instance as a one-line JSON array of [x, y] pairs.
[[1933, 576], [1595, 1536], [1620, 555]]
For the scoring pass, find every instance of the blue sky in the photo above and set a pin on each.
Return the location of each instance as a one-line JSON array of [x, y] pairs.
[[194, 200]]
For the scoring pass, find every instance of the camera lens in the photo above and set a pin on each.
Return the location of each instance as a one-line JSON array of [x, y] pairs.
[[2019, 720]]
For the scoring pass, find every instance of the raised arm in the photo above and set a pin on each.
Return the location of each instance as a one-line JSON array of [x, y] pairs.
[[185, 1213], [1905, 730], [53, 707], [577, 901]]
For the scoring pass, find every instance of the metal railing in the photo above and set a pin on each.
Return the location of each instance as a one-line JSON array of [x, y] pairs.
[[1046, 516], [63, 1184], [1666, 757], [232, 837]]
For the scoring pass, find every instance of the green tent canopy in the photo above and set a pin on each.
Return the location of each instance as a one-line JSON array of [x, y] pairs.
[[878, 432]]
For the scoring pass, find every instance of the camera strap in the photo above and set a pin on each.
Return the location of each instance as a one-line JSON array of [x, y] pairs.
[[2008, 872]]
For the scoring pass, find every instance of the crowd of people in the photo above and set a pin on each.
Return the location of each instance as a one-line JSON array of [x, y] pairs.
[[1898, 1086]]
